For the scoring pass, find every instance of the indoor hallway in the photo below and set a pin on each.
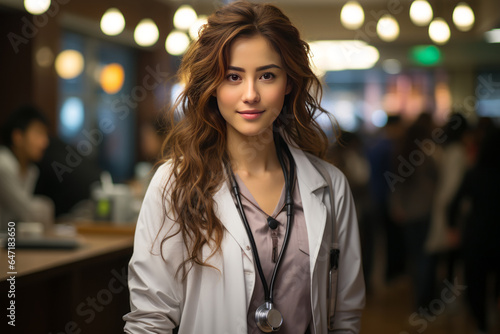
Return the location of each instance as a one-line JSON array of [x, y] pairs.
[[389, 307]]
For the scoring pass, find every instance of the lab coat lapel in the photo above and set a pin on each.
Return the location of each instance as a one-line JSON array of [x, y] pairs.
[[230, 218], [312, 188]]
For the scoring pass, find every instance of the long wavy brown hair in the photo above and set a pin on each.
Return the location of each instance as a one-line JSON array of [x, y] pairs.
[[196, 144]]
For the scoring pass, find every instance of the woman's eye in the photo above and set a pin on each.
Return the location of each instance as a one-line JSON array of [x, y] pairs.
[[268, 76], [233, 77]]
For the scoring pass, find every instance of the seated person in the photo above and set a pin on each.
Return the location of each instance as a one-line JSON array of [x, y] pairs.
[[25, 138]]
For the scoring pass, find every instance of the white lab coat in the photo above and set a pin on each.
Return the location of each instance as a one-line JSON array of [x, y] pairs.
[[213, 301]]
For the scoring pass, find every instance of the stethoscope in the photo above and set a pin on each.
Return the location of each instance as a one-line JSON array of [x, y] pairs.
[[268, 318]]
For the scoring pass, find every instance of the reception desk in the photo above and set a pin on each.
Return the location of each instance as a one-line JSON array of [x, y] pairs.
[[82, 290]]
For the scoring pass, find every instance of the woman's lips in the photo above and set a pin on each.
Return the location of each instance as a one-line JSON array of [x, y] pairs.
[[250, 114]]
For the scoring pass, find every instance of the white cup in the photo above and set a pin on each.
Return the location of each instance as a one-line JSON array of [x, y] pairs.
[[29, 229]]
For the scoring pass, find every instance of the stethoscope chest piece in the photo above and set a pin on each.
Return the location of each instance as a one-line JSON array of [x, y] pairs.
[[268, 319]]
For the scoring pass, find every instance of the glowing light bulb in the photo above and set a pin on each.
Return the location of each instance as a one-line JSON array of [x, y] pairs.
[[36, 7], [69, 64], [388, 28], [195, 27], [463, 17], [184, 17], [439, 31], [112, 78], [177, 43], [112, 22], [421, 13], [146, 33], [352, 15]]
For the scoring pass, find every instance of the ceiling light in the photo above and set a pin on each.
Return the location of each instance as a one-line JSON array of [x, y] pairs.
[[112, 22], [387, 28], [146, 33], [177, 43], [439, 31], [352, 15], [195, 27], [69, 64], [463, 17], [492, 36], [36, 7], [421, 12], [184, 17], [342, 55]]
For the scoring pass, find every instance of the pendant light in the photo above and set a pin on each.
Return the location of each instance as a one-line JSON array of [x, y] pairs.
[[352, 15], [36, 7], [177, 42], [421, 13], [439, 31], [463, 17], [184, 17], [388, 28], [112, 22], [146, 33]]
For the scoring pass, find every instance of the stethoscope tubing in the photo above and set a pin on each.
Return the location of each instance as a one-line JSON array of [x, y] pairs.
[[269, 290]]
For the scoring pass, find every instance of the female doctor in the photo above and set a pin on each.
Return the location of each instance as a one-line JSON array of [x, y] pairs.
[[237, 233]]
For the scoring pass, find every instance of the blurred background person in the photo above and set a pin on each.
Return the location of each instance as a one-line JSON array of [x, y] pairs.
[[25, 138], [70, 191], [381, 150], [480, 245], [452, 163], [349, 156], [411, 203], [151, 136]]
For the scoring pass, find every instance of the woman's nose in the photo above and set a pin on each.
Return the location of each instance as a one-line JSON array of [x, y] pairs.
[[251, 94]]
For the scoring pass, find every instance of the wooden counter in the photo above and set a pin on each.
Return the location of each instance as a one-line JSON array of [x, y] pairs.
[[82, 290], [33, 261]]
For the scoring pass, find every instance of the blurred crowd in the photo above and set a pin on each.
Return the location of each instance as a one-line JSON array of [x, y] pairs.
[[431, 193]]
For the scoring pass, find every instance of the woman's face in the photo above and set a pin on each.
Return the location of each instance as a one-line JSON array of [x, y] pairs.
[[253, 92]]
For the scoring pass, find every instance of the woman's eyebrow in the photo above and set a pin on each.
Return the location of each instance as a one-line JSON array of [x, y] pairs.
[[260, 68]]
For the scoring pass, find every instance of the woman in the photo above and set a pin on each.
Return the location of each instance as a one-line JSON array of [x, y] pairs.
[[241, 179]]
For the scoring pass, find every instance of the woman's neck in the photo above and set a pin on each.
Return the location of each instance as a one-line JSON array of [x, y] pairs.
[[252, 155]]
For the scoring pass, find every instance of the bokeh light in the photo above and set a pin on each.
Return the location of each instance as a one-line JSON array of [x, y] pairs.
[[69, 64]]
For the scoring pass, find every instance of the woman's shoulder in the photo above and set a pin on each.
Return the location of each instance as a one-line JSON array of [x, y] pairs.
[[160, 178], [162, 172], [333, 171]]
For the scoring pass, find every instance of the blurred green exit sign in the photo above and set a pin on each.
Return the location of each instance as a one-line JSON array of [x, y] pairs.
[[426, 55]]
